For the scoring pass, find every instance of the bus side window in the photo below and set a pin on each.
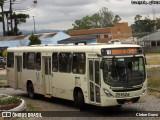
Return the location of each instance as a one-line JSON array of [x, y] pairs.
[[55, 62], [30, 63], [10, 59], [65, 60], [24, 60], [78, 63], [38, 61]]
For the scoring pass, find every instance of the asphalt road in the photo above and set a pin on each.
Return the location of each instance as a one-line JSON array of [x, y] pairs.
[[67, 109]]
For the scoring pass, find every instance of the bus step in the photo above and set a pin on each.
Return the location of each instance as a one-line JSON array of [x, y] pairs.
[[48, 96]]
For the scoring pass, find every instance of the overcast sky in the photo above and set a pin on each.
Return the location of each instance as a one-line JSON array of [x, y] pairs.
[[60, 14]]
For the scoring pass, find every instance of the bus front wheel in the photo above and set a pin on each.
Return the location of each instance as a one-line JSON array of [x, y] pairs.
[[30, 90]]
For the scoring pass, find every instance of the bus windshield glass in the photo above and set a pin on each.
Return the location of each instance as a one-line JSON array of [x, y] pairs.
[[124, 72]]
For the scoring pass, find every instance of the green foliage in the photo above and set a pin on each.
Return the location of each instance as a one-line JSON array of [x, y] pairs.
[[87, 22], [142, 27], [4, 53], [34, 40], [20, 18], [116, 19], [10, 100], [104, 18], [17, 18]]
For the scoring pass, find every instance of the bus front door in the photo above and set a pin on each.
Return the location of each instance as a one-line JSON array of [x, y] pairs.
[[47, 75], [94, 81], [19, 72]]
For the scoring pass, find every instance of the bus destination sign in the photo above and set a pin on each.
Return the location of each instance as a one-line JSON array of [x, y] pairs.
[[121, 51]]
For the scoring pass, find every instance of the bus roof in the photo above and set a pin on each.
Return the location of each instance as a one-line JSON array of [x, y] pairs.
[[69, 48]]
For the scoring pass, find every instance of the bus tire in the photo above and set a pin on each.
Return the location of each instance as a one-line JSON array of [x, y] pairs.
[[30, 90], [80, 100]]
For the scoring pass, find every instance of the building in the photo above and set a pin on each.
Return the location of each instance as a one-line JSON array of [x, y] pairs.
[[151, 42], [23, 40], [119, 31]]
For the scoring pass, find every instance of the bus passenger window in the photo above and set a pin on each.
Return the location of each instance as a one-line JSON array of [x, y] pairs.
[[30, 64], [65, 62], [38, 61], [91, 70], [10, 60], [78, 63], [55, 62], [97, 73], [24, 60]]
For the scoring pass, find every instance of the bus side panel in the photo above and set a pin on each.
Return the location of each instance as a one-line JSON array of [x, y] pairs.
[[63, 85], [11, 78], [35, 78]]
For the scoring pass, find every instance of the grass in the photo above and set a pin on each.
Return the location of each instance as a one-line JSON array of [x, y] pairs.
[[154, 83], [152, 54], [10, 100], [153, 58], [31, 107]]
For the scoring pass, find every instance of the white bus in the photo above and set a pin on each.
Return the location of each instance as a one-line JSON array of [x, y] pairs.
[[100, 74]]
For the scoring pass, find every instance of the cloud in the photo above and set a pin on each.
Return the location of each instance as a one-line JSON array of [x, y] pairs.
[[60, 14]]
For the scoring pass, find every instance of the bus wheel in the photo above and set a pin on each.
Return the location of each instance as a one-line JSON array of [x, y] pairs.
[[80, 100], [30, 90]]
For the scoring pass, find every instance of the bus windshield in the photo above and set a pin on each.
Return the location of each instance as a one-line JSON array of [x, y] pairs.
[[124, 72]]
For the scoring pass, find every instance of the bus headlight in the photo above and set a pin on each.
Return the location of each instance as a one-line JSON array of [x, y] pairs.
[[144, 90], [107, 93]]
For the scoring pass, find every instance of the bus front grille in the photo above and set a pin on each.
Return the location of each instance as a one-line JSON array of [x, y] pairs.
[[133, 100]]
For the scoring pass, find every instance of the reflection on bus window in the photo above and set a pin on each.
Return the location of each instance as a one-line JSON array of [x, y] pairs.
[[65, 62], [78, 63], [124, 71], [91, 70], [97, 73], [24, 60], [30, 63], [55, 62], [38, 61], [10, 60]]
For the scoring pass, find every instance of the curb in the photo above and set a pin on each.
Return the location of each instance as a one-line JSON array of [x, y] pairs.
[[21, 107]]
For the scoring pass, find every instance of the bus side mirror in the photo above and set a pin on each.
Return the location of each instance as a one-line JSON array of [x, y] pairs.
[[102, 64]]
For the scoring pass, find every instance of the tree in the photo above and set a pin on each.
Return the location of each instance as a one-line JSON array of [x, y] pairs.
[[116, 19], [137, 17], [104, 18], [2, 16], [18, 19], [142, 27], [4, 53], [34, 40], [87, 22]]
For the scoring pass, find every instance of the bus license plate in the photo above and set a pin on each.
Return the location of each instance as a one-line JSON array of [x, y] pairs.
[[122, 95]]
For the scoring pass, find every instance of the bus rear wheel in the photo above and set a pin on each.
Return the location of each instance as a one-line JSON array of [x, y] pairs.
[[30, 90], [80, 100]]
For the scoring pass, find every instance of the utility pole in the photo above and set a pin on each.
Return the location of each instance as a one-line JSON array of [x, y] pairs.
[[34, 25]]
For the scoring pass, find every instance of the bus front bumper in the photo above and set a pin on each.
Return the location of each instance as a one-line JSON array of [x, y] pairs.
[[110, 101]]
